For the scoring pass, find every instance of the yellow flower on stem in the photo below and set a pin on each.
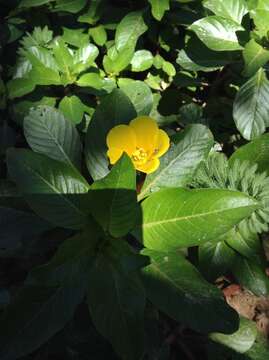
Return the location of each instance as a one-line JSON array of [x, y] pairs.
[[143, 142]]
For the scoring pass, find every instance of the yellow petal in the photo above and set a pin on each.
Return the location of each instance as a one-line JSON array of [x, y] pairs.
[[114, 154], [150, 166], [146, 131], [163, 143], [121, 137]]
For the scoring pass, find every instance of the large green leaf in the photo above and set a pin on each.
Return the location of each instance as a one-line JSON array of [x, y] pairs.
[[113, 110], [35, 315], [159, 7], [116, 302], [131, 27], [251, 106], [229, 9], [139, 94], [114, 200], [218, 33], [176, 287], [255, 56], [49, 133], [55, 190], [180, 162], [175, 218], [256, 151]]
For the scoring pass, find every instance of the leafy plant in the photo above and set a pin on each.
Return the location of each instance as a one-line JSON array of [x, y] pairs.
[[134, 177]]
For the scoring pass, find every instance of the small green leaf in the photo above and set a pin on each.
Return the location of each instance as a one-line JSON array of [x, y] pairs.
[[251, 106], [49, 133], [159, 7], [218, 33], [96, 82], [72, 108], [116, 61], [255, 56], [84, 57], [131, 27], [142, 60], [99, 35], [70, 6], [53, 189], [176, 218], [252, 276], [242, 340], [172, 284], [20, 87], [169, 68]]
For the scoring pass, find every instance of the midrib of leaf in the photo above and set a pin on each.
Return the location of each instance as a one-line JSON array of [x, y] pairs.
[[189, 217], [59, 146]]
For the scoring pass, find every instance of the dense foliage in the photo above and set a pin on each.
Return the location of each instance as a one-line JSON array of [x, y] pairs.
[[103, 261]]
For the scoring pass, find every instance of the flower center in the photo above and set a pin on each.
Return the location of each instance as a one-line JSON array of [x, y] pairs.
[[140, 156]]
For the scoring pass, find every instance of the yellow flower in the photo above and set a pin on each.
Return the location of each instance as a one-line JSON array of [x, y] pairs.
[[142, 140]]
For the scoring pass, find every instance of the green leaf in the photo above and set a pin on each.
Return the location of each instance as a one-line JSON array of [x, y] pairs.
[[229, 9], [131, 27], [175, 218], [49, 133], [251, 106], [113, 110], [41, 74], [197, 57], [72, 108], [252, 276], [96, 83], [75, 37], [176, 287], [169, 68], [142, 60], [70, 263], [256, 152], [53, 189], [70, 5], [62, 56], [159, 7], [139, 94], [35, 315], [218, 33], [32, 3], [260, 18], [215, 259], [116, 302], [19, 87], [114, 200], [99, 35], [180, 162], [242, 340], [116, 61], [17, 225], [255, 56], [84, 57]]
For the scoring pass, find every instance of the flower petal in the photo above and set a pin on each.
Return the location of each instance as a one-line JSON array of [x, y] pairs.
[[146, 131], [150, 166], [163, 143], [114, 154], [121, 137]]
